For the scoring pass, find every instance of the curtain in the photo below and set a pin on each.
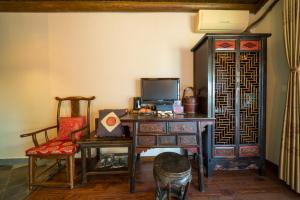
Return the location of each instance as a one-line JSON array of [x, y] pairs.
[[289, 166]]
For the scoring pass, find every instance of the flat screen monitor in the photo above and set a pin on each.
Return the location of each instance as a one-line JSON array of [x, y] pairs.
[[156, 90]]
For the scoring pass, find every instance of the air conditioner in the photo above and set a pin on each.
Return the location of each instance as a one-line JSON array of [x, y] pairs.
[[222, 21]]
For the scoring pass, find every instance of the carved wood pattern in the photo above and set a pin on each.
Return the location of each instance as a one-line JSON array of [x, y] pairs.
[[187, 140], [224, 152], [154, 127], [167, 140], [225, 78], [142, 149], [146, 141], [225, 45], [236, 165], [182, 127], [204, 124], [249, 45], [249, 151], [249, 95]]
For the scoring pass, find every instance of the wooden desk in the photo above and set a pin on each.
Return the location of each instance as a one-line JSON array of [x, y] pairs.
[[151, 131]]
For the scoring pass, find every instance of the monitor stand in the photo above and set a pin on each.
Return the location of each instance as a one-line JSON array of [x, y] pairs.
[[164, 106]]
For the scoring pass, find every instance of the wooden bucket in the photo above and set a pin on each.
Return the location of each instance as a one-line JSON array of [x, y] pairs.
[[189, 102]]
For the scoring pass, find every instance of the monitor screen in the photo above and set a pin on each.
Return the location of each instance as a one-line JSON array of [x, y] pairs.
[[156, 90]]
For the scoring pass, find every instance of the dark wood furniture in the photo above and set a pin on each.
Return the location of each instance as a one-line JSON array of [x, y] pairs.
[[230, 82], [75, 103], [89, 142], [92, 141], [150, 131], [172, 173]]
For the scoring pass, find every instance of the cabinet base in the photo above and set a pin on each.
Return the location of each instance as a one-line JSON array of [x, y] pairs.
[[234, 164]]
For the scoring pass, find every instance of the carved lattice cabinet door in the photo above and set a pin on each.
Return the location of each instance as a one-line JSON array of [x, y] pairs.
[[231, 70]]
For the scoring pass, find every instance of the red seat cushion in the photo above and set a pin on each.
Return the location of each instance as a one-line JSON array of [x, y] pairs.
[[69, 124], [53, 147]]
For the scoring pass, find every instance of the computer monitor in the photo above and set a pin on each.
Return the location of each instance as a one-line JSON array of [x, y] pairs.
[[159, 90]]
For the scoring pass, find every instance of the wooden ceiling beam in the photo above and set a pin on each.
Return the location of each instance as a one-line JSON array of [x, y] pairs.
[[127, 6], [259, 5]]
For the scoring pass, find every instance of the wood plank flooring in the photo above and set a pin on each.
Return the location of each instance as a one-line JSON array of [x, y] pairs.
[[223, 185]]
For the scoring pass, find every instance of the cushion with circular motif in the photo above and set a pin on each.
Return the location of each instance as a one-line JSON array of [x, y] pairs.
[[109, 124]]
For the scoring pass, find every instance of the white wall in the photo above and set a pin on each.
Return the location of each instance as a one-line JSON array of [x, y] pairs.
[[24, 79], [277, 75], [101, 54]]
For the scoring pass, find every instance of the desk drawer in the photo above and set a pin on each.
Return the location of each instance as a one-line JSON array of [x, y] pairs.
[[187, 140], [167, 140], [146, 141], [183, 127], [155, 128]]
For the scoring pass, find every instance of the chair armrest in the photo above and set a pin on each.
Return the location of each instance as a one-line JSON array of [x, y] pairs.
[[72, 133], [38, 131], [34, 133]]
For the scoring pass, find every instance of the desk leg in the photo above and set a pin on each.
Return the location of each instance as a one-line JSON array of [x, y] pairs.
[[132, 173], [133, 158], [200, 161], [98, 154], [83, 165], [200, 172]]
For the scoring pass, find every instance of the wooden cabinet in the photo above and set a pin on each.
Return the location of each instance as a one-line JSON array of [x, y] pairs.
[[230, 83]]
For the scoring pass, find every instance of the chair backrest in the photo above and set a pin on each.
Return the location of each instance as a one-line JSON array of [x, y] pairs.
[[75, 108]]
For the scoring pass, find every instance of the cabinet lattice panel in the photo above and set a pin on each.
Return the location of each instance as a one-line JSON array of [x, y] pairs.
[[249, 90], [225, 69], [229, 79]]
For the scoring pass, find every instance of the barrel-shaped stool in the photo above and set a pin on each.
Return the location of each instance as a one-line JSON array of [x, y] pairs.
[[172, 174]]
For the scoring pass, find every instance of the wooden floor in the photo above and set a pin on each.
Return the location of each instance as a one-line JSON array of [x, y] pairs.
[[224, 185]]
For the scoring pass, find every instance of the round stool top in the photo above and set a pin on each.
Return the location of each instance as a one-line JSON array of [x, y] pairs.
[[172, 163]]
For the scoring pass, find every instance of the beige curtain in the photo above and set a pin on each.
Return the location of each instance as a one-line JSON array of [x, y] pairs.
[[290, 142]]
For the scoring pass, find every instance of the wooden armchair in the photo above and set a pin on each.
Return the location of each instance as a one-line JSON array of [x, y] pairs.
[[63, 146]]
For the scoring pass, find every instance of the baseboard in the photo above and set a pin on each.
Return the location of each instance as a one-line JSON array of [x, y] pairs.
[[14, 161], [272, 166]]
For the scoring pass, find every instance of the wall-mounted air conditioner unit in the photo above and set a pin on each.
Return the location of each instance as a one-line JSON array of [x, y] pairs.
[[222, 21]]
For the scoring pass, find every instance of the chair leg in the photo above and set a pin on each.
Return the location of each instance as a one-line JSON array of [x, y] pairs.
[[169, 197], [68, 169], [71, 170], [89, 152], [31, 168], [58, 161]]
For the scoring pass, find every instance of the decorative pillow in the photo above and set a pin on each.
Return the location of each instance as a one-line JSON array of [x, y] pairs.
[[69, 124], [109, 124]]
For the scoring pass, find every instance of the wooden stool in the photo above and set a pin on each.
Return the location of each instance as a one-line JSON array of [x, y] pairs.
[[172, 174]]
